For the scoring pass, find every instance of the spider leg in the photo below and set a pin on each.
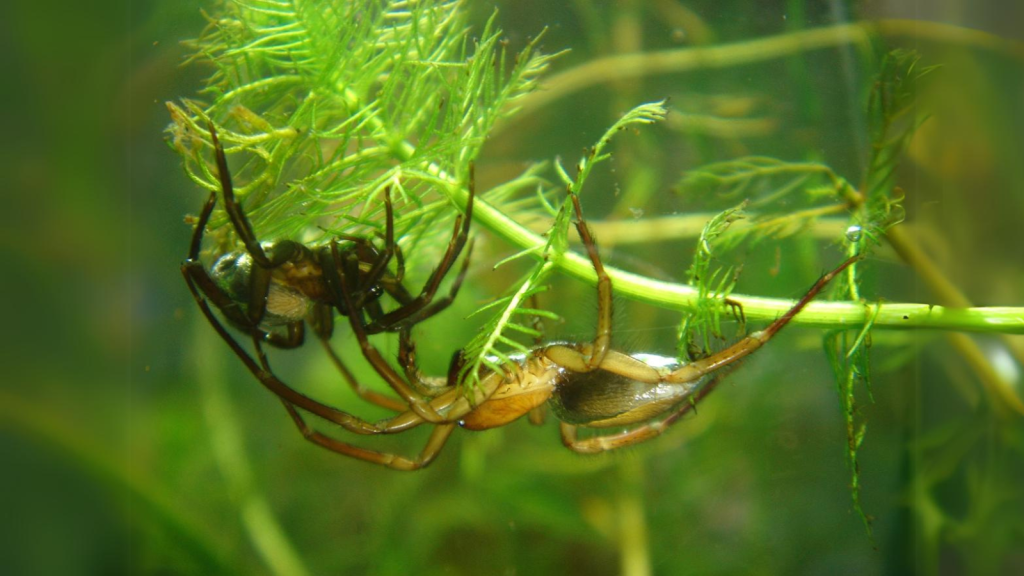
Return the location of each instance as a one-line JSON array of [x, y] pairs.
[[378, 272], [379, 267], [272, 382], [603, 334], [338, 284], [695, 370], [373, 356], [624, 365], [193, 269], [322, 321], [433, 447], [536, 415], [588, 357], [407, 359], [293, 337], [238, 219], [203, 288], [399, 265], [197, 233], [438, 305], [232, 311], [418, 308], [264, 265], [448, 399]]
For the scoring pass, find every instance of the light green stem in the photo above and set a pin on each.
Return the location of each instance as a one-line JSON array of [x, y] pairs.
[[833, 315], [625, 66], [683, 297], [268, 537]]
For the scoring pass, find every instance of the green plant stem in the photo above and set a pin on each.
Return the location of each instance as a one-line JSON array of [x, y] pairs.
[[688, 226], [834, 315], [634, 542], [682, 297], [268, 538], [145, 496], [946, 292], [1004, 320], [624, 66]]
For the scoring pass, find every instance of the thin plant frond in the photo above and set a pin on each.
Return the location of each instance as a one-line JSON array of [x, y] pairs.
[[714, 284], [487, 345], [321, 105]]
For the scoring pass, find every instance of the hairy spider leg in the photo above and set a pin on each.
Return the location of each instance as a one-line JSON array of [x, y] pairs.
[[260, 275], [423, 306], [435, 443], [374, 357], [407, 360], [692, 372], [414, 310], [411, 309], [537, 415], [752, 343], [379, 267], [322, 320], [582, 359], [603, 334]]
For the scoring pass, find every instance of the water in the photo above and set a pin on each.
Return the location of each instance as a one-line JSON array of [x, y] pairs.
[[113, 370]]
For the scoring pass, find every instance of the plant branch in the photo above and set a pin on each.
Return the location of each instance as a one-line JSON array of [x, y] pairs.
[[624, 66]]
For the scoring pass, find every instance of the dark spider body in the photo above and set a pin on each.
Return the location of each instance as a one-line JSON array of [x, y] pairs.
[[295, 288], [268, 286]]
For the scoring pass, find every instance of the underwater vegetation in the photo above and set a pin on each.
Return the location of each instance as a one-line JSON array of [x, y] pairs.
[[392, 207]]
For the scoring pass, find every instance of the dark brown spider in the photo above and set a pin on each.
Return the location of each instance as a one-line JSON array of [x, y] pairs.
[[270, 290]]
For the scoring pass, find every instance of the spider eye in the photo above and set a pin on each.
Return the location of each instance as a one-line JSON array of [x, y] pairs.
[[375, 291]]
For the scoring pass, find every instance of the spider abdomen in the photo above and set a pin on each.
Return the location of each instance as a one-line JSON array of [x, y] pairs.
[[602, 398], [292, 289]]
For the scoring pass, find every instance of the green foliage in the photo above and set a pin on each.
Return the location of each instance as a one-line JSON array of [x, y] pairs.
[[326, 104], [489, 347], [765, 180], [890, 109], [849, 359], [784, 198], [323, 108], [779, 199], [714, 287], [893, 120]]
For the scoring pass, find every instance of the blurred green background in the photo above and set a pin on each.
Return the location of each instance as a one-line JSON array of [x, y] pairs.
[[132, 441]]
